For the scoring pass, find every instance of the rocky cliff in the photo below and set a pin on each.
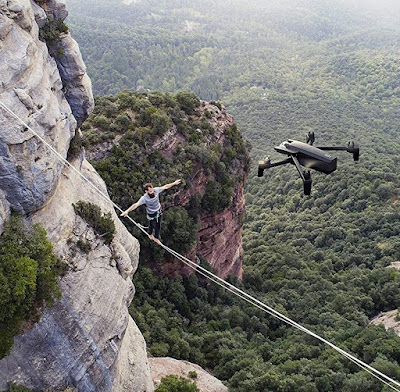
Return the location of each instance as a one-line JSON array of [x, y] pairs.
[[200, 144], [87, 340], [219, 239], [32, 88], [390, 320], [161, 367]]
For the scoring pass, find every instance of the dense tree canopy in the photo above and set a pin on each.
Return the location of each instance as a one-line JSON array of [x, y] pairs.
[[324, 260]]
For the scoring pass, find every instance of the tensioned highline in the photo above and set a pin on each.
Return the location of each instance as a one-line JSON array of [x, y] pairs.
[[216, 279]]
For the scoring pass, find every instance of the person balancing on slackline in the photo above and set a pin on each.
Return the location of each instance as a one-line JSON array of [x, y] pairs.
[[153, 208]]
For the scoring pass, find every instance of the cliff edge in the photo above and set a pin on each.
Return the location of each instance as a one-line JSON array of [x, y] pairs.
[[161, 137], [87, 339]]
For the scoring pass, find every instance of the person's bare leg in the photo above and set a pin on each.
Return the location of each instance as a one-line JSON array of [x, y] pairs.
[[151, 237], [156, 240]]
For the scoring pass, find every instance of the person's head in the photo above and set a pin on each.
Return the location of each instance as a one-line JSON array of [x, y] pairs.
[[149, 189]]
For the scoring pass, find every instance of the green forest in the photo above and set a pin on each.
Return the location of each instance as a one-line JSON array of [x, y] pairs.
[[282, 70]]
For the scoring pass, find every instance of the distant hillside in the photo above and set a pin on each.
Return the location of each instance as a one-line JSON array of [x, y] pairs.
[[210, 47]]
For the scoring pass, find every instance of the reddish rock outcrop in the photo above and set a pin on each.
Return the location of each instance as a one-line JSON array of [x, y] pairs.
[[219, 239]]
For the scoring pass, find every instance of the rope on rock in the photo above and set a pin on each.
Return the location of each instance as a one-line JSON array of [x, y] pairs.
[[216, 279]]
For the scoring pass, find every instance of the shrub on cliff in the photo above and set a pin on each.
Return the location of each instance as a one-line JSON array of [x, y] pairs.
[[17, 388], [51, 31], [102, 224], [179, 229], [28, 276], [188, 101], [217, 196], [236, 147], [174, 383]]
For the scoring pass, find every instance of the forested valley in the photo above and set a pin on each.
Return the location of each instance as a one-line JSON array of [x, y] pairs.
[[326, 260]]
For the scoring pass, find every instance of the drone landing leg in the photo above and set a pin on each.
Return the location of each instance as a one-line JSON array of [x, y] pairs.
[[304, 175], [307, 182]]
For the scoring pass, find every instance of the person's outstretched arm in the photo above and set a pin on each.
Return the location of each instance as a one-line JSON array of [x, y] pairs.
[[167, 186], [131, 208]]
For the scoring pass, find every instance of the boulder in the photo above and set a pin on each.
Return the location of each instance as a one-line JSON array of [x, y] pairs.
[[162, 367]]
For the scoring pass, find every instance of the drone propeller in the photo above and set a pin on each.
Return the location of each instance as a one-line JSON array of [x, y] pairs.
[[354, 149], [310, 138]]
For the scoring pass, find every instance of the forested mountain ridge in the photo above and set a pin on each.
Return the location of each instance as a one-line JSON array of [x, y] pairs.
[[134, 138], [311, 65]]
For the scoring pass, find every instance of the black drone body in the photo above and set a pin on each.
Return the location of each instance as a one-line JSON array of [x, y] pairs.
[[310, 157]]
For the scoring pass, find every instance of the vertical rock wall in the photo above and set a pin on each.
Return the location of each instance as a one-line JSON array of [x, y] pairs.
[[66, 52], [87, 340], [31, 87]]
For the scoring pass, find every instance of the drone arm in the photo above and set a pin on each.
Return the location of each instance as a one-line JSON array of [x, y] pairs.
[[333, 148], [266, 164], [351, 148]]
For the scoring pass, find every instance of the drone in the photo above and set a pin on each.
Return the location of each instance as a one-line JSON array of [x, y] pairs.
[[305, 154]]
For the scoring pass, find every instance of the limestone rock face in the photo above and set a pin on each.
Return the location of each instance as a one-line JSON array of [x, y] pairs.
[[78, 87], [56, 8], [389, 320], [87, 340], [77, 84], [31, 87], [161, 367], [4, 208]]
